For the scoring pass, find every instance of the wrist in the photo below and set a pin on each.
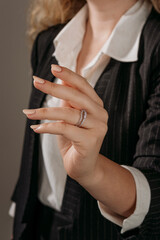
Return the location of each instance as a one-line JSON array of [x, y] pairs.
[[104, 184], [94, 177]]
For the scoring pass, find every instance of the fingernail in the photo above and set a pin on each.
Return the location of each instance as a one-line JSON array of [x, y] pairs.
[[56, 68], [35, 127], [29, 111], [38, 80]]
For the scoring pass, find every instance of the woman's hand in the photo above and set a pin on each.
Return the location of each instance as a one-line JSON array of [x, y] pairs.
[[79, 146]]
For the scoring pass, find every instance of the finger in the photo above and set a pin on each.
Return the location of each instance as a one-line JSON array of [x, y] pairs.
[[75, 98], [76, 81], [71, 132], [66, 114]]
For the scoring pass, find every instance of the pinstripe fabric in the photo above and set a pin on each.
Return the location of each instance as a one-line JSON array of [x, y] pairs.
[[131, 95]]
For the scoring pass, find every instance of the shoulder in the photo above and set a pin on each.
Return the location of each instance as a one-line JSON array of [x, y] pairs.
[[47, 36], [43, 44], [150, 37]]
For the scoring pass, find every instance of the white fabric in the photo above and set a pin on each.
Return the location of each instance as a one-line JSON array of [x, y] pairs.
[[122, 45], [143, 198], [12, 209]]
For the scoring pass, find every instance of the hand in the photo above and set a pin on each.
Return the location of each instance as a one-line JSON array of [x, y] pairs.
[[79, 146]]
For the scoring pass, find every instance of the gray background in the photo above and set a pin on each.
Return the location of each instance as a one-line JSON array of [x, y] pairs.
[[15, 73]]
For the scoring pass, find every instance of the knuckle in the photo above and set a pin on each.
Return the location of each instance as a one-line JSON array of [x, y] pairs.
[[102, 130], [73, 92], [101, 102], [47, 125], [105, 116], [105, 129], [52, 88], [44, 111], [62, 126]]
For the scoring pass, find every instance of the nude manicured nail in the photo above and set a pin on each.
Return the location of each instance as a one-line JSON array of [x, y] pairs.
[[35, 127], [38, 80], [29, 111], [56, 68]]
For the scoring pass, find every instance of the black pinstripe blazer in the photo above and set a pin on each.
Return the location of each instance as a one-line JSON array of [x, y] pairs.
[[131, 95]]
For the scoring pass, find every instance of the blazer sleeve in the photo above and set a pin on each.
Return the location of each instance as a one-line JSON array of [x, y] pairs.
[[147, 155], [34, 62]]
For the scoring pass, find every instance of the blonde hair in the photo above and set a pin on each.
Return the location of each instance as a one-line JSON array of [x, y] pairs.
[[46, 13]]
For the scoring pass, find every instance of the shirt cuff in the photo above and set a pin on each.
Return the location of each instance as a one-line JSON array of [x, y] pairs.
[[12, 209], [143, 199]]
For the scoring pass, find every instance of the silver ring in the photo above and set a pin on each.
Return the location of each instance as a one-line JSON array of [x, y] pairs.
[[82, 118]]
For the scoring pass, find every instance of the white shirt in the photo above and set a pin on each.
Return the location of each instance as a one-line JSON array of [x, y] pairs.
[[122, 45]]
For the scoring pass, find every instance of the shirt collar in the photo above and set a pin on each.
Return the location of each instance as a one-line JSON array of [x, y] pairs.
[[123, 43]]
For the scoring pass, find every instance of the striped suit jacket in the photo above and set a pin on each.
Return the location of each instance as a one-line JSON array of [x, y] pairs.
[[131, 95]]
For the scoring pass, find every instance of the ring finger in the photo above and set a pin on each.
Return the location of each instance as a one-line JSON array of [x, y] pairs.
[[66, 114]]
